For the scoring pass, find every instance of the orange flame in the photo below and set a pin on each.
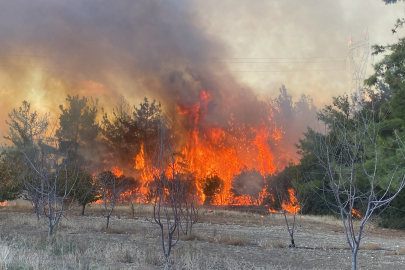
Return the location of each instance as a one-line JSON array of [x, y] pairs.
[[3, 203], [292, 206], [356, 213], [117, 172], [221, 150]]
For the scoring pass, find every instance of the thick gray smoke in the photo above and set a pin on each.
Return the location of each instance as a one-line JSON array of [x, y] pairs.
[[167, 50], [122, 45]]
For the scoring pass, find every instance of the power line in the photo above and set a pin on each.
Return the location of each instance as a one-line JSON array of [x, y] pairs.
[[282, 62], [269, 58], [284, 70]]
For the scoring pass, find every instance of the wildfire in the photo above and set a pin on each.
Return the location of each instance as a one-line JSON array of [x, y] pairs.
[[117, 172], [146, 174], [3, 203], [356, 213], [219, 150], [226, 151], [292, 206]]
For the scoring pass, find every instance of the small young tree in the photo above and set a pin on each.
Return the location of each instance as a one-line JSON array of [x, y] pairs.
[[189, 206], [291, 197], [47, 177], [169, 191], [86, 191], [111, 188], [10, 184], [291, 202], [351, 156]]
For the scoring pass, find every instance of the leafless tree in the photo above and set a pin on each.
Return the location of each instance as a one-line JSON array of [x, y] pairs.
[[48, 177], [169, 189], [189, 207], [111, 188], [292, 201], [352, 159]]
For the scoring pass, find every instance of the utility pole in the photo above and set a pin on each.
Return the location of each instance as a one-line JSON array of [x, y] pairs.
[[357, 56]]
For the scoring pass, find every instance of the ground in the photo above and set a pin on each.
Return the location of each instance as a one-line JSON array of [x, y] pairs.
[[222, 239]]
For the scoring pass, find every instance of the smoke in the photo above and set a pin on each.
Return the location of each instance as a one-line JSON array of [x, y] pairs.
[[170, 51]]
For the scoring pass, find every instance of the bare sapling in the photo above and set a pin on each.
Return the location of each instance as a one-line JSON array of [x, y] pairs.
[[111, 188], [292, 201], [48, 177], [189, 206], [169, 191], [351, 157]]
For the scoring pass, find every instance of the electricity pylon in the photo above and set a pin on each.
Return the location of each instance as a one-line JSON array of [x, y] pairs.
[[357, 56]]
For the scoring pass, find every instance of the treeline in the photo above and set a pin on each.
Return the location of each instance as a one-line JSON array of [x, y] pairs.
[[379, 113]]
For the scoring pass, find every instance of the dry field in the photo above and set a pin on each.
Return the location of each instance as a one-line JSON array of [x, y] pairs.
[[221, 240]]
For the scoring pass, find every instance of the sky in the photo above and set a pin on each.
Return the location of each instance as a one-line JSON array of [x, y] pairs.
[[170, 50]]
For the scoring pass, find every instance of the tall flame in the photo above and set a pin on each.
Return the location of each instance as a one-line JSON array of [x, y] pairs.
[[223, 151], [292, 206]]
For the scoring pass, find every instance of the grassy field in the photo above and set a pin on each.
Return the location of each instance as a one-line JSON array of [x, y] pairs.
[[221, 240]]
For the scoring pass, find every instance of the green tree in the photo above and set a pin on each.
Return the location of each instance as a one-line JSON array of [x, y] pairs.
[[125, 129], [10, 182], [25, 126], [111, 189], [86, 190], [26, 129], [147, 119], [78, 128], [120, 132]]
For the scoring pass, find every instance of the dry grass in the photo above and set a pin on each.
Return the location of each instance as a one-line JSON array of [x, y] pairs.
[[114, 230], [17, 206], [337, 247], [279, 244], [229, 240], [265, 244], [371, 247], [133, 243], [191, 237], [396, 252], [234, 241]]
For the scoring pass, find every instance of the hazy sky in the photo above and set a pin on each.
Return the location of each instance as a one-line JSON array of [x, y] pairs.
[[296, 31], [168, 50]]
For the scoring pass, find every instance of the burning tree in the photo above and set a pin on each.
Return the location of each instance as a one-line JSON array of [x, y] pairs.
[[351, 155], [213, 188]]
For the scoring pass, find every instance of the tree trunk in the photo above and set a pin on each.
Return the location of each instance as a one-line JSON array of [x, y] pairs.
[[50, 230], [84, 206], [37, 212], [354, 259], [108, 221], [292, 243]]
